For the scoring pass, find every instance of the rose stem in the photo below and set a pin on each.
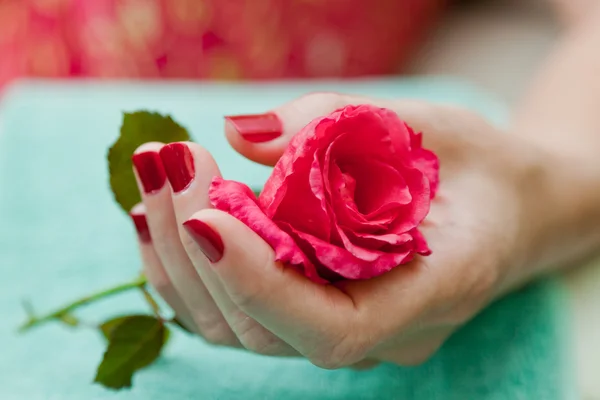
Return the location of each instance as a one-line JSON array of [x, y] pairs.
[[139, 283]]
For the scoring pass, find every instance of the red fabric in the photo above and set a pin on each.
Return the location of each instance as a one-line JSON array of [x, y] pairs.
[[212, 39], [346, 198]]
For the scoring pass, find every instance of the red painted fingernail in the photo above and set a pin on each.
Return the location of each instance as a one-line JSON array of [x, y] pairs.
[[179, 164], [207, 238], [150, 170], [257, 128], [141, 225]]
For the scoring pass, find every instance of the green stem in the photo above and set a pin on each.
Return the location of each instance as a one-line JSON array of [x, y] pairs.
[[151, 302], [35, 321]]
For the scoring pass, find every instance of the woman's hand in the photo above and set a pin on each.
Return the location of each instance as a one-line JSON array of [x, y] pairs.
[[223, 283]]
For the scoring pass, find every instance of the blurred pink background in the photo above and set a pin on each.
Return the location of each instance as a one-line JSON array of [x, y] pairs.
[[210, 39]]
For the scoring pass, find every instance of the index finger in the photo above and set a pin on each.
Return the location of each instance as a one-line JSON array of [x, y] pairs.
[[317, 320]]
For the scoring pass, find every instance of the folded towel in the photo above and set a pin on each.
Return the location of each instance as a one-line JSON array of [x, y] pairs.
[[62, 236]]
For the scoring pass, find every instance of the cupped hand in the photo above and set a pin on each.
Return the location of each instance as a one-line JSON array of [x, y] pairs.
[[223, 283]]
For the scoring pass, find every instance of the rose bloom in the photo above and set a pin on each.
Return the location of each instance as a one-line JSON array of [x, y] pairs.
[[346, 198]]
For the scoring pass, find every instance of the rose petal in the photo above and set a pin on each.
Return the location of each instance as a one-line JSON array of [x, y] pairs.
[[419, 243], [379, 186], [425, 160], [346, 211], [400, 133], [296, 159], [317, 184], [239, 201], [323, 272], [429, 164], [354, 143], [301, 208], [345, 264], [411, 215], [376, 242], [416, 138], [341, 188], [288, 193]]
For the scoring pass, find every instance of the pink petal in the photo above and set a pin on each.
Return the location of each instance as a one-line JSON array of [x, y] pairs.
[[400, 133], [376, 242], [419, 243], [379, 186], [288, 193], [416, 138], [429, 164], [296, 159], [346, 211], [347, 265], [411, 215], [425, 160], [239, 201], [341, 189], [363, 135]]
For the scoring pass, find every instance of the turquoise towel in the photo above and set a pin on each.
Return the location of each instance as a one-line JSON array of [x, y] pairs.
[[62, 236]]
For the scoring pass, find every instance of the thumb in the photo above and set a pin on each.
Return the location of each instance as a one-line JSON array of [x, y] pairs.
[[263, 137]]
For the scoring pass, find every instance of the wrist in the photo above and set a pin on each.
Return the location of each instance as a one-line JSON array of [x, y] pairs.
[[559, 217]]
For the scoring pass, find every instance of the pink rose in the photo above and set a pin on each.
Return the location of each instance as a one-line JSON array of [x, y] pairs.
[[346, 198]]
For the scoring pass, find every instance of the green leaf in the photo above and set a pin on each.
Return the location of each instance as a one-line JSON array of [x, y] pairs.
[[109, 326], [134, 343], [137, 128]]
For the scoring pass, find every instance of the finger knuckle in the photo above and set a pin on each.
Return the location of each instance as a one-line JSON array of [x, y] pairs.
[[330, 361], [160, 282], [219, 333], [250, 296], [254, 337], [342, 352], [264, 343], [247, 298]]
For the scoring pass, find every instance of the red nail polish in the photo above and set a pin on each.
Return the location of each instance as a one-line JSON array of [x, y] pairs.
[[150, 170], [207, 238], [257, 128], [178, 161], [141, 225]]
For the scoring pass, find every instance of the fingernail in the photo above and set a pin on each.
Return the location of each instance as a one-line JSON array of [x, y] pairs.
[[179, 164], [207, 238], [150, 170], [141, 225], [257, 128]]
